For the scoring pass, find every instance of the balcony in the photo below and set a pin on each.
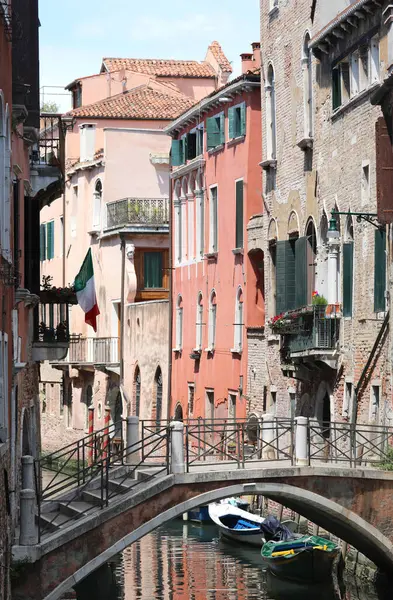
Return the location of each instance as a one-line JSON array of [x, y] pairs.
[[88, 352], [144, 215], [310, 333], [47, 160], [51, 326]]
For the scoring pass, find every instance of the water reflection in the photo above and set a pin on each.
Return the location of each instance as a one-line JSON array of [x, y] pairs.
[[183, 561]]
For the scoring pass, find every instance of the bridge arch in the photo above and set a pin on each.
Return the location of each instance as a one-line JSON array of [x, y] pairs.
[[328, 514]]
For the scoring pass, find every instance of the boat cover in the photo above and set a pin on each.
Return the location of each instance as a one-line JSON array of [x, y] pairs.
[[272, 529]]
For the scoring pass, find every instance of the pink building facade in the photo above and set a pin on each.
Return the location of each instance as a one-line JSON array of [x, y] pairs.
[[217, 289]]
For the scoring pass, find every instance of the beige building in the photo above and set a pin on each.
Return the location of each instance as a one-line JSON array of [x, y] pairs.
[[326, 336], [117, 195]]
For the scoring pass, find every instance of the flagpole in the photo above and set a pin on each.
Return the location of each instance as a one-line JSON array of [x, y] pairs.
[[123, 268]]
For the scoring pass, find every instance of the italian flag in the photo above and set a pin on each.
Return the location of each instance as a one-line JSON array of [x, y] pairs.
[[86, 291]]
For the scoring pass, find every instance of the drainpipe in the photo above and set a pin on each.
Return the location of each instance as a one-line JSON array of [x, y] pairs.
[[168, 412], [123, 268], [64, 239]]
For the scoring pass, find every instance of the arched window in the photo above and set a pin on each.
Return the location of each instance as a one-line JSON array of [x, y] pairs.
[[348, 279], [179, 323], [322, 258], [270, 114], [238, 328], [137, 392], [311, 257], [177, 223], [158, 394], [88, 403], [178, 412], [199, 322], [212, 321], [307, 87], [97, 205]]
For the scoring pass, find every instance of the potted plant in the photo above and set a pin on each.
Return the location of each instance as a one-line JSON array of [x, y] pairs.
[[48, 333]]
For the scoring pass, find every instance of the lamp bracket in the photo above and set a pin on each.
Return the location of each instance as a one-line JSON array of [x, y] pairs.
[[371, 218]]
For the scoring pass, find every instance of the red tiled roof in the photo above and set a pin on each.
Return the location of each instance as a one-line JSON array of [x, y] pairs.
[[220, 57], [161, 68], [142, 102]]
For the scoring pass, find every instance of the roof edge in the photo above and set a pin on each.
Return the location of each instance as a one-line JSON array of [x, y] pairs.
[[347, 12]]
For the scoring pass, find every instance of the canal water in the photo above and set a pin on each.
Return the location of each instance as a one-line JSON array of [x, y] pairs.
[[186, 561]]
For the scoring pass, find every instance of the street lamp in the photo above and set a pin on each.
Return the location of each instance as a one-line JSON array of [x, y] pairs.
[[333, 236], [333, 232]]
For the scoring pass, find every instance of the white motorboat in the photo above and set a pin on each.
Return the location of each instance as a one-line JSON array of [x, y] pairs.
[[237, 524]]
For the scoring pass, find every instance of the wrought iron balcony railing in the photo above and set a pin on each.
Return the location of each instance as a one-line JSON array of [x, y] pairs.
[[314, 329], [101, 351], [50, 147], [141, 211]]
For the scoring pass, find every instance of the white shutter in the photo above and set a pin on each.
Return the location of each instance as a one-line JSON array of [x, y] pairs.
[[354, 74], [97, 211], [374, 53]]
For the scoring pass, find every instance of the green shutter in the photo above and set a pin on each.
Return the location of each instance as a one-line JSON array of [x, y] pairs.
[[379, 270], [222, 128], [336, 88], [285, 276], [50, 240], [347, 279], [176, 153], [243, 119], [213, 133], [152, 269], [239, 214], [301, 272], [231, 123], [42, 242], [199, 149]]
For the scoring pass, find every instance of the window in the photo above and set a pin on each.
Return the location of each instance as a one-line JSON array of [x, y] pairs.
[[374, 403], [3, 386], [47, 240], [178, 152], [179, 324], [193, 143], [199, 142], [232, 407], [213, 236], [307, 88], [177, 224], [215, 127], [97, 205], [238, 327], [42, 241], [239, 214], [348, 270], [273, 402], [152, 270], [200, 223], [191, 396], [87, 133], [199, 322], [379, 270], [210, 405], [355, 73], [347, 404], [61, 236], [158, 390], [285, 276], [77, 96], [270, 115], [311, 257], [365, 191], [237, 121], [211, 342], [137, 391]]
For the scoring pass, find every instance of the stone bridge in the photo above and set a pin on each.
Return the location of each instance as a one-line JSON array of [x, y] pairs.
[[353, 503]]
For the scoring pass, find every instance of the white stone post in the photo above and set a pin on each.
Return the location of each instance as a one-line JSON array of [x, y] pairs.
[[28, 473], [132, 439], [28, 531], [177, 447], [334, 244], [301, 445], [268, 430]]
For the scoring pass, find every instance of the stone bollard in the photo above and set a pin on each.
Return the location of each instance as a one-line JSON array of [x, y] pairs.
[[132, 438], [301, 445], [28, 531], [177, 447], [268, 429], [28, 473]]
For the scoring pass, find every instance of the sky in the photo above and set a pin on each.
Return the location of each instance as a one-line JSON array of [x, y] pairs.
[[76, 34]]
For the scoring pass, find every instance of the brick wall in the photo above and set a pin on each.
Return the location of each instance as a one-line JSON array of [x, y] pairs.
[[313, 185]]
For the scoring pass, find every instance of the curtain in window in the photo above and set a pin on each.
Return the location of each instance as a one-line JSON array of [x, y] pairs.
[[153, 269]]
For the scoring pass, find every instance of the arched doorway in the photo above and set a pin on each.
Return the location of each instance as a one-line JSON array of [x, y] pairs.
[[179, 412], [158, 393], [117, 414]]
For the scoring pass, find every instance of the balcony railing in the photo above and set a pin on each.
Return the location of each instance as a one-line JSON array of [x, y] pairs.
[[141, 211], [50, 148], [312, 330], [101, 351]]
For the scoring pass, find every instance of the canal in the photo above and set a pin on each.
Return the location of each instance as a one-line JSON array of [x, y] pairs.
[[186, 561]]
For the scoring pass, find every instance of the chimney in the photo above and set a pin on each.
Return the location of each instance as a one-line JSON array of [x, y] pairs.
[[256, 49], [247, 62]]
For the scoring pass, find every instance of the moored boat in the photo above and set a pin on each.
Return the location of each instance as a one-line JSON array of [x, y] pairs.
[[237, 524], [304, 558], [201, 513]]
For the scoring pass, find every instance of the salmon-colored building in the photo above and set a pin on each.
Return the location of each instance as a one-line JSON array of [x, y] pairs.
[[217, 289]]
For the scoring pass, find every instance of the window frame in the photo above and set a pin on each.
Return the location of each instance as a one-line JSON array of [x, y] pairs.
[[179, 324], [213, 220], [239, 227], [212, 322], [237, 121], [238, 323], [219, 118], [199, 323]]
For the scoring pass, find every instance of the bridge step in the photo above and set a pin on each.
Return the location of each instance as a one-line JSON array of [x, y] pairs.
[[122, 486], [76, 509], [51, 521], [93, 496]]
